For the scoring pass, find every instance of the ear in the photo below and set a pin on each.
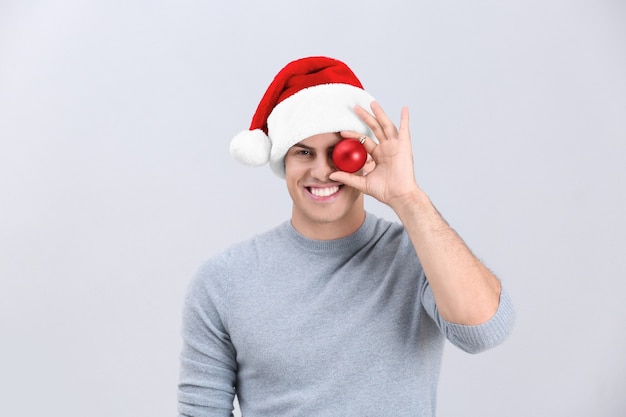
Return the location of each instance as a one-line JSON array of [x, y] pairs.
[[369, 165]]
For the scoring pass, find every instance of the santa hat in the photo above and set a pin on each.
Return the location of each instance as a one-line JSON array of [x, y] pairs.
[[307, 97]]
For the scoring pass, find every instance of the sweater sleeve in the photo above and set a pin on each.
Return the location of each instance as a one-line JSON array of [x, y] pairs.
[[207, 360], [474, 339]]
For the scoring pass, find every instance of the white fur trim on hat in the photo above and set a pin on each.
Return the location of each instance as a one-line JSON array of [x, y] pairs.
[[324, 108], [251, 147]]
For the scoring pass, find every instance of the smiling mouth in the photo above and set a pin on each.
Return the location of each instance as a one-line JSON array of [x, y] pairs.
[[323, 192]]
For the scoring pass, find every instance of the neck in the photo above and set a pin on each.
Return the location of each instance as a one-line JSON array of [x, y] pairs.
[[329, 228]]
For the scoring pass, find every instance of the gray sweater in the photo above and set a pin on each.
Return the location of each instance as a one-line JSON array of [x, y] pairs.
[[298, 327]]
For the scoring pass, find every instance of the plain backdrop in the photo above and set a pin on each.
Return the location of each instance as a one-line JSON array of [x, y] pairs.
[[116, 182]]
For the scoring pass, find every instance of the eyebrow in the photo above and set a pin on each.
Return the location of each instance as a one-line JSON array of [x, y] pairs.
[[310, 148], [300, 145]]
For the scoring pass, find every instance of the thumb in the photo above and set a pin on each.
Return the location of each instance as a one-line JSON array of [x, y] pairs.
[[351, 180]]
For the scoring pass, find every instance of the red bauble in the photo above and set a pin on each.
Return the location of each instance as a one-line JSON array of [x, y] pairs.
[[349, 155]]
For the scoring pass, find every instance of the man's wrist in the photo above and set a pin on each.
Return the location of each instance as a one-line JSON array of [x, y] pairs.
[[411, 203]]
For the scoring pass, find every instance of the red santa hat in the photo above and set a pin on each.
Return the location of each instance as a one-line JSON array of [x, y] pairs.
[[307, 97]]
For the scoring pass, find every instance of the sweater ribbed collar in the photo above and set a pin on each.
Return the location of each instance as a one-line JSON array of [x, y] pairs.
[[357, 239]]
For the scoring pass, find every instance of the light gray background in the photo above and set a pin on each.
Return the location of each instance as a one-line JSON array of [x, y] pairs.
[[116, 183]]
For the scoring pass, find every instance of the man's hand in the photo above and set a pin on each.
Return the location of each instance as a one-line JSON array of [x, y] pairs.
[[392, 181]]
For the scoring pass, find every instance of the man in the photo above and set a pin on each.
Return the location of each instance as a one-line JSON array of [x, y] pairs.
[[336, 312]]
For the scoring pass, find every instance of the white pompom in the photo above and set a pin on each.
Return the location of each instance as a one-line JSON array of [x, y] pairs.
[[251, 147]]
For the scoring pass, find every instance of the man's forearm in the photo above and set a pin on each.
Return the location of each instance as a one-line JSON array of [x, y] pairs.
[[465, 291]]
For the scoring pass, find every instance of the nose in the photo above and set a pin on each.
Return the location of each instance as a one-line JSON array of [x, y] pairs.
[[322, 167]]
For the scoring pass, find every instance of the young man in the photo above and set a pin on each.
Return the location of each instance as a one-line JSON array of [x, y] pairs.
[[336, 312]]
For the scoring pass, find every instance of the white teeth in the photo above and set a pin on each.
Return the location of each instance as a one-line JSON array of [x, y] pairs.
[[324, 192]]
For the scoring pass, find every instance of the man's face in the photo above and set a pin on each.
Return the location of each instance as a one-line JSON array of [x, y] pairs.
[[322, 209]]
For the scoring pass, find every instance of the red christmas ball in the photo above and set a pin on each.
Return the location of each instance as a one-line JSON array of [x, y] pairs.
[[349, 155]]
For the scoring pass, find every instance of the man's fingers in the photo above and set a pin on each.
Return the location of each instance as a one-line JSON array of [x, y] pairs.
[[369, 143], [351, 180], [381, 125], [387, 125], [372, 122], [404, 123]]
